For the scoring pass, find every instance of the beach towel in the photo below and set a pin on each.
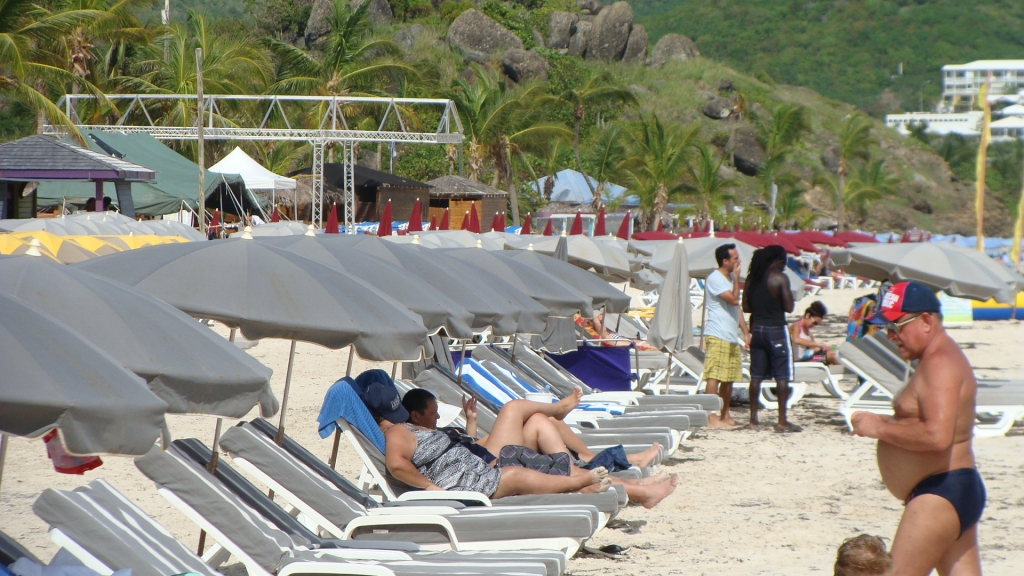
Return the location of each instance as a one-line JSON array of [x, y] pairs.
[[342, 401]]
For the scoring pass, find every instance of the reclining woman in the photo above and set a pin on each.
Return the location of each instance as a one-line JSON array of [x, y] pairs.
[[426, 458], [526, 423]]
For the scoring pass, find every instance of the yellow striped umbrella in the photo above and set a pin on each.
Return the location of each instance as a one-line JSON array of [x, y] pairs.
[[60, 246], [11, 245]]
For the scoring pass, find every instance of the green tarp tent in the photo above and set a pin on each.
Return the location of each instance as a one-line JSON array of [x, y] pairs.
[[177, 178]]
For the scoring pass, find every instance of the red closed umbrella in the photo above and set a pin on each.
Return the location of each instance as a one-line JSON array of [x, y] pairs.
[[332, 221], [624, 227], [465, 221], [599, 225], [415, 224], [384, 227], [659, 228], [526, 225], [215, 223], [275, 216], [444, 221], [474, 220], [433, 222], [498, 224], [577, 225], [547, 228]]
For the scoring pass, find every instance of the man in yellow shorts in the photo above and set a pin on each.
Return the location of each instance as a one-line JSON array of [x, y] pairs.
[[722, 361]]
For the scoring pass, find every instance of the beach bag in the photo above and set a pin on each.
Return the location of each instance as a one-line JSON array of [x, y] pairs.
[[520, 456], [612, 459]]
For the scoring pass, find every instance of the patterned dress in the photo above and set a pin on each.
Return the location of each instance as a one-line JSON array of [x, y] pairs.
[[455, 469]]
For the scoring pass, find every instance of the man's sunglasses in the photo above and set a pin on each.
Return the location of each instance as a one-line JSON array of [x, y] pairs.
[[896, 326]]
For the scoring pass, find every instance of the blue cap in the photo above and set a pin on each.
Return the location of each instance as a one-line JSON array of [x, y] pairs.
[[377, 391], [905, 298]]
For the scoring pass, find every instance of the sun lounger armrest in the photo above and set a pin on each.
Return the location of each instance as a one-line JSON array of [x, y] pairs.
[[627, 398], [457, 495], [437, 509], [326, 567], [453, 504], [397, 519]]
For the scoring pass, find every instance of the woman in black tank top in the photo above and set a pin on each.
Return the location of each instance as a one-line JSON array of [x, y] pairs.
[[767, 297]]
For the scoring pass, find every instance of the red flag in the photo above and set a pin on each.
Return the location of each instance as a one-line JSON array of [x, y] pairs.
[[433, 222], [526, 225], [474, 219], [332, 220], [599, 225], [547, 228], [498, 224], [415, 224], [660, 228], [384, 227], [577, 224], [444, 221], [624, 227], [275, 216]]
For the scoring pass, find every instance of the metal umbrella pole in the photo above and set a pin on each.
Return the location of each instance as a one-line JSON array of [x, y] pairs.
[[284, 399], [3, 455], [462, 361], [337, 431], [214, 455]]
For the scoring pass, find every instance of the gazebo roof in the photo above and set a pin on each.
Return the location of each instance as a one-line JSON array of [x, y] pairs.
[[458, 186], [46, 158]]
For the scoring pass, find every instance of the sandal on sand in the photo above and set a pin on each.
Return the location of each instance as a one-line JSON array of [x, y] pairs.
[[788, 430]]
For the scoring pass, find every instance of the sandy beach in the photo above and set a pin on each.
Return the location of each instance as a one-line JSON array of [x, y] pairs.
[[749, 503]]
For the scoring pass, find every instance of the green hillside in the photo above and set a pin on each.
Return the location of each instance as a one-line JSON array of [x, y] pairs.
[[847, 50]]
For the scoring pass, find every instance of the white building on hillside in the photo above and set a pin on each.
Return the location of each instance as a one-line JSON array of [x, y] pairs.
[[963, 123], [1007, 129], [962, 82]]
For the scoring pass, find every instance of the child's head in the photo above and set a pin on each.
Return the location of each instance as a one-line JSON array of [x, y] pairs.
[[863, 555]]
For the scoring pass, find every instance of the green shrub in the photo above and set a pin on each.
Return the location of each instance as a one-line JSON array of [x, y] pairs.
[[514, 18], [411, 9], [450, 9]]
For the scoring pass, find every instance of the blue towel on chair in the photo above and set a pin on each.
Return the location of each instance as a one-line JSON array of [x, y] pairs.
[[342, 401]]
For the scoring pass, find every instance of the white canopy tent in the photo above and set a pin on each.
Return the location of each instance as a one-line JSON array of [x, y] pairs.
[[256, 177]]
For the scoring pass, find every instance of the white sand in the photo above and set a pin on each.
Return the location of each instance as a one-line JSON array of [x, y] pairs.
[[748, 503]]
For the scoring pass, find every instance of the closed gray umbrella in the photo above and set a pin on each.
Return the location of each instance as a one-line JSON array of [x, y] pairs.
[[672, 325], [557, 296], [52, 377], [493, 303], [559, 335], [601, 293], [584, 251], [186, 364], [943, 266], [435, 308]]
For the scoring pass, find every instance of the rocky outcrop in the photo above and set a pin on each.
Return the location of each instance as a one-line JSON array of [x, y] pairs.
[[592, 7], [830, 159], [473, 31], [636, 46], [747, 155], [718, 109], [406, 37], [560, 27], [580, 38], [608, 38], [379, 13], [672, 47], [520, 65], [725, 85]]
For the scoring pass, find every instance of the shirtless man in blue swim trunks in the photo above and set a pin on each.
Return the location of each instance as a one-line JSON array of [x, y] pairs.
[[924, 450]]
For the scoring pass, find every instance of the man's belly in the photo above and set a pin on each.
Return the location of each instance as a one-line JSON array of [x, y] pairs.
[[902, 469]]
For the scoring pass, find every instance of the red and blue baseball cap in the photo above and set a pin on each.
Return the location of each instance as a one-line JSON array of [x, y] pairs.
[[905, 298]]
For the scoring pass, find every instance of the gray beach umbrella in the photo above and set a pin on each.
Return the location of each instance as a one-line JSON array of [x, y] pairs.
[[559, 335], [491, 302], [185, 363], [435, 308], [672, 325], [560, 298], [601, 293], [942, 266], [583, 251], [52, 377]]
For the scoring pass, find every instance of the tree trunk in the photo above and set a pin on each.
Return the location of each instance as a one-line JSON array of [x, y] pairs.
[[840, 201], [576, 153], [660, 202], [512, 194]]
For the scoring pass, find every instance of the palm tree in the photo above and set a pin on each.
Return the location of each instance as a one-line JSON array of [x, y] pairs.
[[500, 122], [608, 157], [790, 204], [871, 183], [855, 141], [27, 68], [706, 186], [657, 165], [778, 133], [598, 89]]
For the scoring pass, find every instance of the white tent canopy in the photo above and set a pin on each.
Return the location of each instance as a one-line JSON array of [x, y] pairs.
[[256, 177]]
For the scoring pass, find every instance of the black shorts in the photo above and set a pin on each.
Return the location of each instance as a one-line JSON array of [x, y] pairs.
[[771, 354]]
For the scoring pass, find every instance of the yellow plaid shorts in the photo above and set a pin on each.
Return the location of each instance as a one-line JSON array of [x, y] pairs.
[[722, 361]]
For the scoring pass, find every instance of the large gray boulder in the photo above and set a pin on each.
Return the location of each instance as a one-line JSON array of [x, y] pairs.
[[379, 13], [560, 29], [592, 7], [718, 109], [830, 159], [747, 155], [636, 47], [520, 65], [473, 31], [580, 39], [610, 33], [672, 47], [406, 37]]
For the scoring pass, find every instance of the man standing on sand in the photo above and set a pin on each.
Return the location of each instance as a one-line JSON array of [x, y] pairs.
[[924, 450], [722, 362]]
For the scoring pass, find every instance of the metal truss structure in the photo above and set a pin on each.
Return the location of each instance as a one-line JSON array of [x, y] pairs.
[[233, 117]]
